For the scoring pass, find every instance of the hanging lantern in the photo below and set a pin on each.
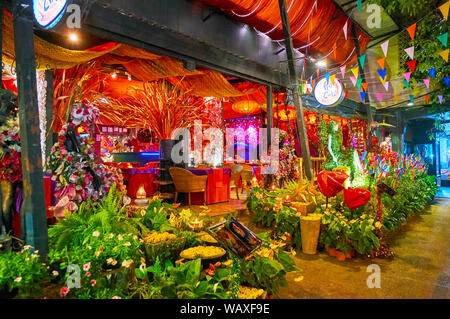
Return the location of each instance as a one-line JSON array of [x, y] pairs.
[[312, 118], [344, 122], [246, 107], [282, 113]]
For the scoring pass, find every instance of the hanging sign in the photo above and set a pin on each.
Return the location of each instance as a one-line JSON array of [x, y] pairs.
[[48, 12], [328, 93]]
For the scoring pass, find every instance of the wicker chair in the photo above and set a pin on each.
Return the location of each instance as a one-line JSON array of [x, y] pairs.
[[246, 176], [187, 182], [235, 177]]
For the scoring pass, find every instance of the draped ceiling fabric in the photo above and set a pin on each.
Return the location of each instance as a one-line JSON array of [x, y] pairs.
[[311, 29]]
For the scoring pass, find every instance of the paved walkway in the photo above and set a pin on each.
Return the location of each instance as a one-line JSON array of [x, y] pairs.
[[420, 269]]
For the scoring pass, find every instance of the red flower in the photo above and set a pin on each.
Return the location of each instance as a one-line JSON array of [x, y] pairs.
[[69, 158]]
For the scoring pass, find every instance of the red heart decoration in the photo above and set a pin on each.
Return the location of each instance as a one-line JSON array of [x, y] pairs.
[[356, 197], [331, 183]]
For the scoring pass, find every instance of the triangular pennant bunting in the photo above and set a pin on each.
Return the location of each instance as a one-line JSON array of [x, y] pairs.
[[343, 71], [327, 76], [410, 52], [426, 98], [355, 71], [412, 30], [411, 65], [440, 97], [346, 94], [443, 38], [363, 96], [411, 98], [381, 62], [332, 78], [386, 86], [444, 9], [364, 85], [359, 5], [407, 75], [380, 97], [382, 73], [353, 79], [406, 84], [384, 47], [444, 55], [427, 83], [358, 83], [432, 72], [447, 80], [395, 98], [362, 59]]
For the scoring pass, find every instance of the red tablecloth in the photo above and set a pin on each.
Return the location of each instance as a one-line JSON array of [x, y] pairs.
[[136, 180], [48, 194], [217, 186]]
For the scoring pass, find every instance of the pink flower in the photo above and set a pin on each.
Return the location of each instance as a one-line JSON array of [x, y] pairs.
[[86, 266], [93, 282], [64, 291], [88, 274], [116, 297]]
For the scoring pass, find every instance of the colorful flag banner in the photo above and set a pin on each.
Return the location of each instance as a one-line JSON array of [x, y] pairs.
[[359, 5], [381, 62], [363, 96], [386, 86], [345, 29], [380, 97], [411, 98], [427, 83], [355, 71], [444, 55], [358, 83], [343, 68], [426, 98], [384, 47], [353, 79], [412, 30], [406, 84], [346, 94], [382, 73], [362, 59], [444, 9], [327, 76], [432, 72], [407, 75], [440, 97], [410, 52], [364, 85], [443, 38], [447, 80], [412, 65], [332, 78]]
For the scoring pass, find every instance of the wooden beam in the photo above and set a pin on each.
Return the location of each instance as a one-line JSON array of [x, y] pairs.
[[293, 79], [49, 112], [33, 209]]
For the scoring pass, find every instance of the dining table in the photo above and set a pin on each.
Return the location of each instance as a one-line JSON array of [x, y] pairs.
[[217, 185], [137, 176]]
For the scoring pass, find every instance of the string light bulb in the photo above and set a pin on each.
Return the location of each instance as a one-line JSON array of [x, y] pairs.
[[73, 37]]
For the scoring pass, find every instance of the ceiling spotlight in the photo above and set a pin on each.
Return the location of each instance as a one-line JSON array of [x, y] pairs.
[[73, 37], [114, 75]]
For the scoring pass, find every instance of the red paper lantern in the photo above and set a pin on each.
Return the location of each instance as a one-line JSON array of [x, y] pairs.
[[246, 106], [331, 183], [356, 197]]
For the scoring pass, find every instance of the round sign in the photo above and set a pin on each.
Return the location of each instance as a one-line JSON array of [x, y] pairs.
[[327, 93], [48, 12]]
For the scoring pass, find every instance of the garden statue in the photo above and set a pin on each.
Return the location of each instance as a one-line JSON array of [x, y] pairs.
[[335, 128]]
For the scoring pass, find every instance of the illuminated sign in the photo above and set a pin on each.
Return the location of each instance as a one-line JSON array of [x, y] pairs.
[[48, 12], [327, 93]]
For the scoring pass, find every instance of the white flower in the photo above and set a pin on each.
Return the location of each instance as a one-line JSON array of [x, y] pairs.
[[87, 266], [26, 247], [26, 259], [127, 263], [120, 237], [111, 236], [127, 244], [55, 273], [18, 279], [96, 234]]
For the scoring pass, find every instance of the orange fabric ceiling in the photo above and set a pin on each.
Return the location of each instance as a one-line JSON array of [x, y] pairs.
[[311, 29]]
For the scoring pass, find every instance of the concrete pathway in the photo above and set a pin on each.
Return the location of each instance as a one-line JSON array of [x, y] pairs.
[[420, 269]]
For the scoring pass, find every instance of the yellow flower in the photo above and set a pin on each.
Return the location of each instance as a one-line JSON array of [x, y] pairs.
[[363, 216], [298, 279], [378, 225]]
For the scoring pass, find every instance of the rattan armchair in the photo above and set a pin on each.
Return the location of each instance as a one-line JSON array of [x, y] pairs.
[[235, 177], [246, 176], [187, 182]]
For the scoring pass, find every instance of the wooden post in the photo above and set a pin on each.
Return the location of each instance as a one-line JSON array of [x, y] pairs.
[[363, 77], [33, 209], [293, 79], [269, 103], [49, 112]]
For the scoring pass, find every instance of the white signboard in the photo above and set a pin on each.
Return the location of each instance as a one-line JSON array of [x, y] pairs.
[[327, 93], [48, 12]]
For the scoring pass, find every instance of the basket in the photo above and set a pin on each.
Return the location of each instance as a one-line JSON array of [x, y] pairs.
[[304, 208], [169, 249], [310, 227]]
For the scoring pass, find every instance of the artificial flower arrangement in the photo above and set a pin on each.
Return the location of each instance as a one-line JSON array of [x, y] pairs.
[[10, 160], [287, 158], [72, 162]]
